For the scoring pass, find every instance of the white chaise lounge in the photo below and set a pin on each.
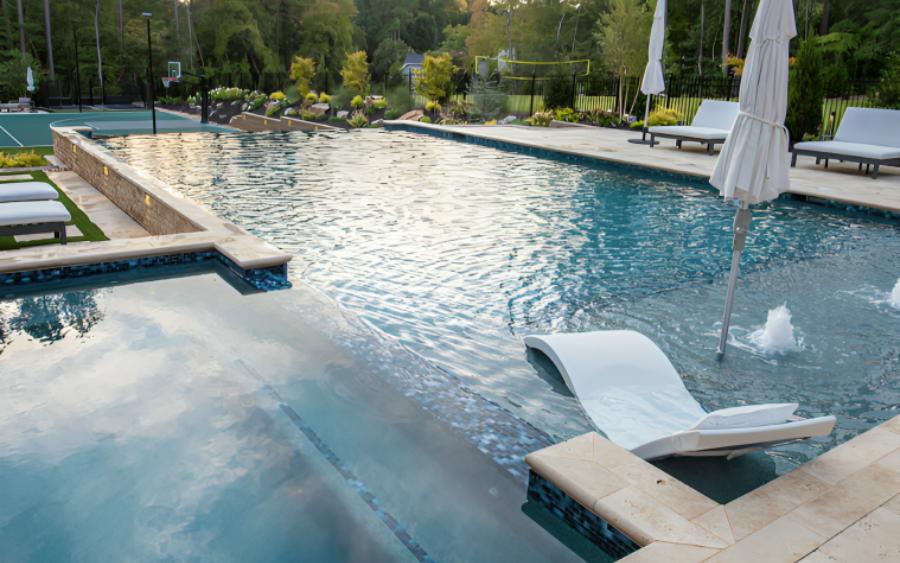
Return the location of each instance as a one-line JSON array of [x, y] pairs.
[[710, 127], [633, 394], [865, 135], [26, 191], [30, 217]]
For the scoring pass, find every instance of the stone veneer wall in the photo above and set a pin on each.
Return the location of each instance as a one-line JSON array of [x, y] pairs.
[[155, 216]]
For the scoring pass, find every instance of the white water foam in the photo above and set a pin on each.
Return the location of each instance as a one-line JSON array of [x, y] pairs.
[[894, 299], [777, 336]]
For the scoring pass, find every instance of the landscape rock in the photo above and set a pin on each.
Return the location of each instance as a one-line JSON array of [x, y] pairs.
[[319, 108], [343, 114], [507, 120], [412, 115]]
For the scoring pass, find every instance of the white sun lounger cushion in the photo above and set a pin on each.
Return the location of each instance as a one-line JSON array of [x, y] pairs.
[[705, 133], [746, 416], [634, 395], [713, 120], [860, 150], [33, 212], [27, 191]]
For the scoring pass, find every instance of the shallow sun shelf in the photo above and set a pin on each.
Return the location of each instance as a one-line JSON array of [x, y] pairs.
[[632, 392]]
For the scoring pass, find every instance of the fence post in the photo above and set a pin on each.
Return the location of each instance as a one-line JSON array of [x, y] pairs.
[[574, 79], [531, 104]]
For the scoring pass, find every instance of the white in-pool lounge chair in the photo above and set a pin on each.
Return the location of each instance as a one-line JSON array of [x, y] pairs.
[[865, 135], [633, 394], [710, 127], [27, 191], [30, 217]]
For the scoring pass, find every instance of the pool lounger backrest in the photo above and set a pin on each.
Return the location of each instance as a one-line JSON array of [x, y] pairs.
[[870, 126], [716, 114]]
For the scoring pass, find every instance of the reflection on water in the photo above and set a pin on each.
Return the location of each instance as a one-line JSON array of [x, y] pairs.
[[47, 318]]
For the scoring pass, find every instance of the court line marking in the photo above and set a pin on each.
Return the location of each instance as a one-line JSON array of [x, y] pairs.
[[11, 136]]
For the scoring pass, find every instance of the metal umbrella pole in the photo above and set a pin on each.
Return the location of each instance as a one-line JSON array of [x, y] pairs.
[[741, 228]]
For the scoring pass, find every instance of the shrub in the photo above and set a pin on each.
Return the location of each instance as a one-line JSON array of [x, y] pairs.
[[459, 110], [227, 94], [21, 159], [309, 116], [488, 101], [355, 73], [290, 112], [425, 119], [310, 99], [661, 116], [805, 93], [277, 96], [432, 106], [324, 98], [303, 70], [888, 90], [357, 120], [392, 114], [257, 99], [357, 102], [566, 114], [380, 103], [398, 99], [541, 119], [171, 100], [273, 108], [557, 92], [436, 76], [343, 97]]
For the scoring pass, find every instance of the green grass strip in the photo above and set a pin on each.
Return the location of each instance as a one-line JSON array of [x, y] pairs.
[[89, 231]]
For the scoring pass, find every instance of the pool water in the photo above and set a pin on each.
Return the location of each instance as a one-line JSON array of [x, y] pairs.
[[456, 251], [175, 419]]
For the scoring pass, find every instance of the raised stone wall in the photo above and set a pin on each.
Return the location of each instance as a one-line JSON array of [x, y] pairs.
[[121, 184]]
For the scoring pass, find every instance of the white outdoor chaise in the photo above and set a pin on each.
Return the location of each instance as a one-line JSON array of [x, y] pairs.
[[632, 393], [710, 127], [29, 217], [865, 135], [26, 191]]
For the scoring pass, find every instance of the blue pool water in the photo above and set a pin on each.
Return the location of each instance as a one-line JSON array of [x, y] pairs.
[[457, 251], [174, 419]]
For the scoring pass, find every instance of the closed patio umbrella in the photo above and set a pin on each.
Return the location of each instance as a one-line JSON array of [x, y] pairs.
[[653, 81], [753, 165], [29, 80]]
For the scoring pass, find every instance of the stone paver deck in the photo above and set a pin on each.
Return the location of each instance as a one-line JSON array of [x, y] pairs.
[[841, 182], [842, 506], [114, 222]]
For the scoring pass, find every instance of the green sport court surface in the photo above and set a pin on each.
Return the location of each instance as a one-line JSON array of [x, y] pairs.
[[33, 129]]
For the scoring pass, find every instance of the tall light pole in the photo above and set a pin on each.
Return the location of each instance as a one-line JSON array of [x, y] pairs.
[[152, 93]]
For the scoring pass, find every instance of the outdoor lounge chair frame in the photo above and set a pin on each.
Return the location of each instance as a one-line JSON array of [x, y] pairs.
[[57, 228], [875, 163], [710, 143]]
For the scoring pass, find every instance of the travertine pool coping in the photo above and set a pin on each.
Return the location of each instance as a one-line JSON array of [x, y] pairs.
[[842, 506], [203, 230], [840, 183]]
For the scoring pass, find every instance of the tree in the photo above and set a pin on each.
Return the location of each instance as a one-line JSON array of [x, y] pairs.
[[888, 91], [805, 93], [47, 30], [99, 50], [355, 73], [726, 35], [387, 59], [21, 12], [436, 77], [303, 69], [623, 33]]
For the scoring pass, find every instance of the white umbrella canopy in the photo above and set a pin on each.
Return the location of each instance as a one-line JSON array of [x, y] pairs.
[[653, 81], [753, 164], [29, 80]]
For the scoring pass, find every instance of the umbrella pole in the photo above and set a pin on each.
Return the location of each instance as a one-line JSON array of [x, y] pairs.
[[741, 227], [646, 116]]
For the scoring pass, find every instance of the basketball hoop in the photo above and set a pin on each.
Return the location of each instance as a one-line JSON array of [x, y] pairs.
[[174, 76], [168, 81]]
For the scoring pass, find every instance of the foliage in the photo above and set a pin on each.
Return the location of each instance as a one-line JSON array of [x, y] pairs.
[[660, 116], [387, 59], [434, 79], [425, 119], [380, 103], [557, 92], [355, 73], [13, 67], [459, 109], [399, 99], [303, 69], [432, 106], [357, 120], [324, 98], [541, 119], [309, 115], [888, 90], [290, 112], [736, 64], [488, 101], [343, 97], [273, 108], [171, 100], [357, 102], [228, 94], [255, 100], [566, 114], [455, 38], [805, 93], [277, 96], [310, 98], [21, 159], [622, 36]]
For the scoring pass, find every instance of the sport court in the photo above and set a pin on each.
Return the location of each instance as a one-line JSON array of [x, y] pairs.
[[33, 129]]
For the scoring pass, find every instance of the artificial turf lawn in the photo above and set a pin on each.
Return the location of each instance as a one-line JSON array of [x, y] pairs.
[[89, 230]]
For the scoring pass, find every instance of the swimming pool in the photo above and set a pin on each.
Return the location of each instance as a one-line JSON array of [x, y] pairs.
[[172, 418], [456, 251]]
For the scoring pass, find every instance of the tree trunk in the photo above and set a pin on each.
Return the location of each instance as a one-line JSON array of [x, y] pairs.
[[49, 33], [195, 41], [742, 31], [7, 24], [177, 29], [509, 53], [702, 32], [726, 33], [21, 26], [826, 12], [120, 24], [99, 49]]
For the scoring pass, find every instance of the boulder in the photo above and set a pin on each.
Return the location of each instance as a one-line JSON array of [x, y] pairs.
[[507, 120], [319, 108], [412, 115], [343, 114]]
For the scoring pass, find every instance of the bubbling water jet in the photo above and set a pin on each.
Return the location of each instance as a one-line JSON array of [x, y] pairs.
[[777, 336]]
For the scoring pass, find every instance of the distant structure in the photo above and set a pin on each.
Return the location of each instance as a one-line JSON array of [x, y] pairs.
[[413, 61]]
